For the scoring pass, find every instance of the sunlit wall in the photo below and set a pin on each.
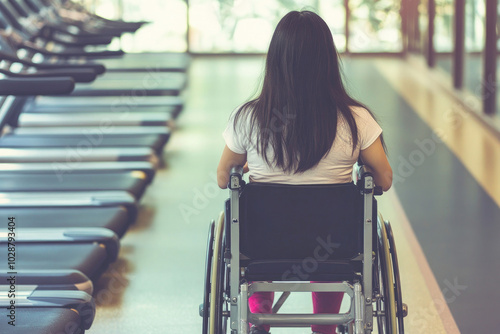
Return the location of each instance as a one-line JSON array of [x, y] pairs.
[[247, 26], [167, 29], [443, 36], [375, 26]]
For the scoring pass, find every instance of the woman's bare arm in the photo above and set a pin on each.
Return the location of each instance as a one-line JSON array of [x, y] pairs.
[[375, 159], [228, 160]]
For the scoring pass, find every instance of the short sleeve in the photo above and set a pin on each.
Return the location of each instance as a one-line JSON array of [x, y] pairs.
[[235, 136], [369, 130]]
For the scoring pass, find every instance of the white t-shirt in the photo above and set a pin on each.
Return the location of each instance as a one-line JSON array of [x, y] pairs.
[[335, 167]]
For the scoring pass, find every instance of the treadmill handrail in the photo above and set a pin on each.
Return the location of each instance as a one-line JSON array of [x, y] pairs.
[[64, 54], [83, 75], [36, 86], [49, 298], [64, 198], [56, 279], [67, 235], [44, 167], [96, 67]]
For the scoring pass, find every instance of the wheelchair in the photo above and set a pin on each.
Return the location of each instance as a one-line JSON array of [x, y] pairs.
[[332, 232]]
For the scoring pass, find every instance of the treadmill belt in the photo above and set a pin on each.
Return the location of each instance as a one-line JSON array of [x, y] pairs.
[[95, 119], [108, 101], [89, 259], [156, 142], [112, 218], [174, 110], [60, 155], [154, 86], [139, 81], [144, 77], [133, 182]]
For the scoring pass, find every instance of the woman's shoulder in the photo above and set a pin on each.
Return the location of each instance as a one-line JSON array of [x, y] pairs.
[[244, 109], [242, 114], [360, 112], [365, 121]]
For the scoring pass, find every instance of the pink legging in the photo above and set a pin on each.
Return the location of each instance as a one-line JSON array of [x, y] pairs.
[[323, 302]]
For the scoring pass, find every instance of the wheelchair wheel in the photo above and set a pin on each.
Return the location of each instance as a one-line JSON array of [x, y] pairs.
[[385, 302], [401, 309], [204, 308], [216, 325]]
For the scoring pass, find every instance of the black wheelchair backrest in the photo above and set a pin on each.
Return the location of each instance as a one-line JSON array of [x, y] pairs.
[[299, 221]]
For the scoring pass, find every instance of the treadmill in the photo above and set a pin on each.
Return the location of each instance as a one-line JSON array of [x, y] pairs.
[[25, 19], [87, 250], [63, 158], [65, 161], [90, 21], [138, 84], [71, 150], [88, 140], [102, 134], [134, 182], [120, 110], [74, 133], [54, 241], [165, 62]]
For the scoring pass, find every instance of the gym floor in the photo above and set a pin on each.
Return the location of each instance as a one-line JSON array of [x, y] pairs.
[[444, 205]]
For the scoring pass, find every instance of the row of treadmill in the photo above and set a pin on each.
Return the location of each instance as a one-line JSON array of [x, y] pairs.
[[82, 130]]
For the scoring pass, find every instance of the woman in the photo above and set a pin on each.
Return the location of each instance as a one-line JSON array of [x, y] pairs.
[[303, 128]]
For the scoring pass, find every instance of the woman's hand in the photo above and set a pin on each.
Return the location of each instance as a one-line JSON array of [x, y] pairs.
[[245, 168]]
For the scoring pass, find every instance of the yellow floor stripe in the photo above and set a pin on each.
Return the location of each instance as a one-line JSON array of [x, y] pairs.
[[428, 310], [474, 145]]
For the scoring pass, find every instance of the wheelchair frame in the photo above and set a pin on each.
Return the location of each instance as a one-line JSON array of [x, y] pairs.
[[363, 295]]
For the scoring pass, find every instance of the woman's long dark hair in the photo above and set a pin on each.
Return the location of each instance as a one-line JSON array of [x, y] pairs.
[[296, 112]]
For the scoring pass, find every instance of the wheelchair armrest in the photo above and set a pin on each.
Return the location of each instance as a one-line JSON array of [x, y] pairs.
[[236, 178], [362, 175]]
